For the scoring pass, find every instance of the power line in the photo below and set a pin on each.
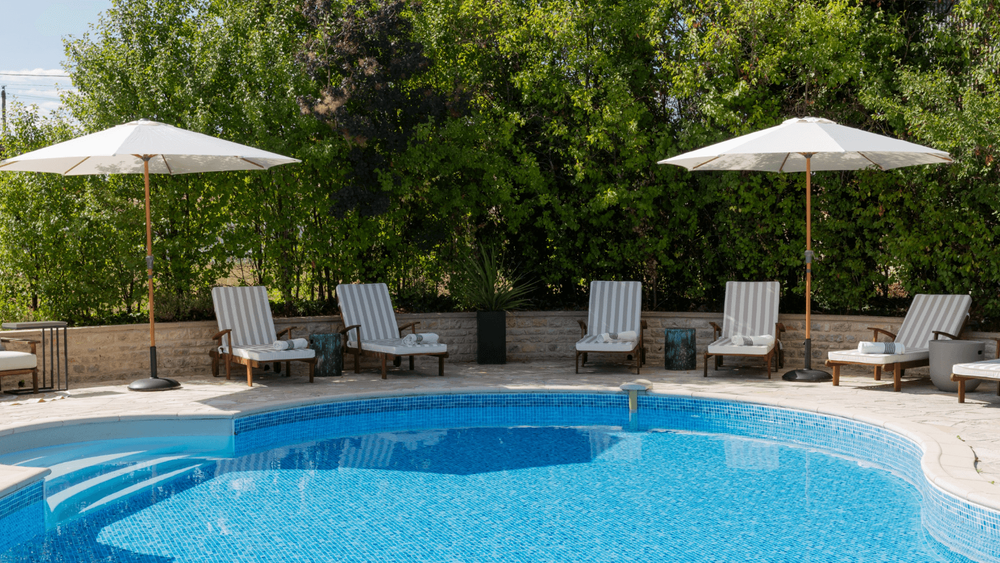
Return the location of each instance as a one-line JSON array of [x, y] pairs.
[[35, 75]]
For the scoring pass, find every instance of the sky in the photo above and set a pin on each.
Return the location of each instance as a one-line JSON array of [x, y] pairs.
[[32, 54]]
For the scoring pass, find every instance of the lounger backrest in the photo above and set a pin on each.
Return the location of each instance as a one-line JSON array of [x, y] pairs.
[[946, 313], [751, 308], [246, 312], [614, 307], [368, 305]]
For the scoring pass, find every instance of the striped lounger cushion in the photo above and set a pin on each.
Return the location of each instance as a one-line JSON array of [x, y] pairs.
[[751, 309], [246, 312], [989, 369], [369, 305], [945, 313], [614, 307]]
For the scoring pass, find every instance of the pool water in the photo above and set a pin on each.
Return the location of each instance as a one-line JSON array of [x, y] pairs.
[[480, 494]]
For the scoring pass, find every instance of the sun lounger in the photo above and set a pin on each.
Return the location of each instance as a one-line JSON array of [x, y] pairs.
[[929, 317], [371, 329], [988, 370], [19, 363], [246, 333], [751, 310], [615, 308]]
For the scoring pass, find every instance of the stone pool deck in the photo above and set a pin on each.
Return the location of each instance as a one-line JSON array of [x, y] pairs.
[[975, 423]]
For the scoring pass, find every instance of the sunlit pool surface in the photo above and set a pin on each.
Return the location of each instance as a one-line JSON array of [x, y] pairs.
[[560, 493]]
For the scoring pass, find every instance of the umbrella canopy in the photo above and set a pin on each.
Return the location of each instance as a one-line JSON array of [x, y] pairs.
[[809, 144], [145, 147], [119, 150], [832, 147]]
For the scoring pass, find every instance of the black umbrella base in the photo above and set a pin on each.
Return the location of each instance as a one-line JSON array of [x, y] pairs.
[[810, 375], [153, 384]]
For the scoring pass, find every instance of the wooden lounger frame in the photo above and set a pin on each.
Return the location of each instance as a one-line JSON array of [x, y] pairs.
[[250, 364], [961, 379], [776, 355], [640, 357], [396, 358], [897, 368]]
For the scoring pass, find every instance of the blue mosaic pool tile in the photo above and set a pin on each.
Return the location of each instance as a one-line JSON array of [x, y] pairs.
[[261, 431], [22, 515], [968, 529]]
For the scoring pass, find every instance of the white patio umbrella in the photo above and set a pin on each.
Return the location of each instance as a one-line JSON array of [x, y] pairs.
[[145, 147], [805, 145]]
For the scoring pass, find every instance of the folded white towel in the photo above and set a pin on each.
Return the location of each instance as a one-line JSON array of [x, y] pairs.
[[627, 336], [423, 338], [762, 340], [881, 348], [294, 344]]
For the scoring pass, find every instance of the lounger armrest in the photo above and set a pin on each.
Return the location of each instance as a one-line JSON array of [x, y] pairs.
[[288, 330], [998, 347], [217, 337], [347, 329], [583, 328], [778, 329], [876, 330], [938, 333], [643, 324], [409, 325], [29, 342], [716, 329]]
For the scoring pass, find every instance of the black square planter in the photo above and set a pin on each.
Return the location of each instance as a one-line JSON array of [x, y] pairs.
[[491, 337]]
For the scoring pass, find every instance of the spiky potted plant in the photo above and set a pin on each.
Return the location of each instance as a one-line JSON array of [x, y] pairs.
[[485, 285]]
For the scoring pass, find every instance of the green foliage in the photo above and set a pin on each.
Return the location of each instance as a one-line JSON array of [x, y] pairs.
[[435, 127], [486, 284]]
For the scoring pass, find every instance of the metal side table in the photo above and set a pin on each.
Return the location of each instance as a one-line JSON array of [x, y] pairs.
[[54, 359]]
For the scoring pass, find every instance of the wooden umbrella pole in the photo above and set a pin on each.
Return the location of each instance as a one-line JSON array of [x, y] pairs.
[[149, 252], [149, 271], [808, 241]]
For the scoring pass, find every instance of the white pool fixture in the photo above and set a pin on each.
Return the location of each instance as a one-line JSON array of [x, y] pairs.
[[633, 389]]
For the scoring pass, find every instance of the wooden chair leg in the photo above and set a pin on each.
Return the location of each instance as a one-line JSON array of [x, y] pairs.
[[961, 390], [215, 363], [249, 375], [411, 363], [836, 375], [440, 365], [897, 378], [312, 370], [357, 361], [383, 368], [577, 363], [288, 369], [229, 364], [878, 373], [34, 380], [707, 356], [584, 362], [767, 361]]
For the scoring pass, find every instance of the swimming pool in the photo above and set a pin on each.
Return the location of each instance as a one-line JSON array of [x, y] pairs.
[[515, 477]]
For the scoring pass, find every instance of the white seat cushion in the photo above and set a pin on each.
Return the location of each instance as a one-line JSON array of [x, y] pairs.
[[590, 344], [17, 360], [395, 347], [855, 357], [268, 353], [725, 347], [989, 369]]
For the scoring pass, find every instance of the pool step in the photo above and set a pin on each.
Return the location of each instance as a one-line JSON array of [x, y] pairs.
[[83, 485]]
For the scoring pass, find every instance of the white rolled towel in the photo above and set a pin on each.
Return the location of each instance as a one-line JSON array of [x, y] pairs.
[[743, 340], [293, 344], [881, 348], [422, 338], [627, 336]]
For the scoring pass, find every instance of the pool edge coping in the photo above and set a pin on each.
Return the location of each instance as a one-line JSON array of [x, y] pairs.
[[947, 461]]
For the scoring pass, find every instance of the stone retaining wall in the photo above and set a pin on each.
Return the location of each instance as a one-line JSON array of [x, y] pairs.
[[121, 352]]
